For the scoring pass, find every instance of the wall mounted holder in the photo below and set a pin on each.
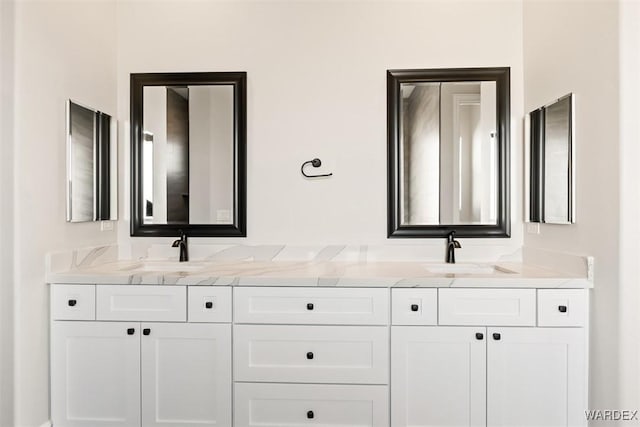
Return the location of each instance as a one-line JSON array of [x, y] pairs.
[[316, 163]]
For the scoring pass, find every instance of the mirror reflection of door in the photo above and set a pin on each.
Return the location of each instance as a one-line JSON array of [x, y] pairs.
[[188, 172], [449, 153], [178, 155]]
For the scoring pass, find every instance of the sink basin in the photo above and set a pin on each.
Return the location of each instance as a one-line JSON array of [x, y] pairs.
[[465, 268], [167, 266]]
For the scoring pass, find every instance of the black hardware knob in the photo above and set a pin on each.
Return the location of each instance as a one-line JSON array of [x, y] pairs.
[[562, 308], [310, 355], [72, 302], [496, 336], [146, 331], [414, 307], [479, 335], [310, 306], [310, 414], [131, 331], [208, 304]]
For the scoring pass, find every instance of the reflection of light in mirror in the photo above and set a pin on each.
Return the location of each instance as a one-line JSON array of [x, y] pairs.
[[460, 174], [147, 174]]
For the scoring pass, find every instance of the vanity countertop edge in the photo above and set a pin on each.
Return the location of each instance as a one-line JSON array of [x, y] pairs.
[[315, 274]]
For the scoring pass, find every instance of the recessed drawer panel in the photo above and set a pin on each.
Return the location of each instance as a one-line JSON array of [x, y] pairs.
[[209, 304], [73, 302], [303, 405], [143, 303], [492, 307], [311, 354], [329, 306], [414, 306], [562, 307]]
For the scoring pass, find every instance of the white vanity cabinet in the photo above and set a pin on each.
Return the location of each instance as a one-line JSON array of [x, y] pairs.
[[486, 375], [123, 373], [163, 356]]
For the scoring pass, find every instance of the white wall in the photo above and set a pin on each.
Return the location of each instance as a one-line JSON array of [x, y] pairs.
[[6, 212], [572, 46], [317, 88], [56, 59], [629, 297]]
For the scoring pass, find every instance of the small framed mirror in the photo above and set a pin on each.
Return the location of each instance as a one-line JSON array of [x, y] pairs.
[[91, 165], [549, 163], [188, 133], [448, 152]]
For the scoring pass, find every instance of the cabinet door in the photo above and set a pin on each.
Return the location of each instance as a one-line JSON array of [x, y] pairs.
[[438, 376], [536, 377], [186, 374], [95, 374]]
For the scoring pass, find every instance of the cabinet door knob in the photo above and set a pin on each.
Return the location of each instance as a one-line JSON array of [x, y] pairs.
[[562, 308], [146, 331], [72, 302], [496, 336], [131, 331], [310, 414], [479, 335], [310, 306], [310, 355], [414, 307], [208, 304]]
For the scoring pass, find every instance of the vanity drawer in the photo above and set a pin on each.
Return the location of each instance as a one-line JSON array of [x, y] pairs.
[[311, 354], [414, 306], [209, 304], [73, 302], [298, 405], [141, 303], [492, 307], [329, 306], [562, 307]]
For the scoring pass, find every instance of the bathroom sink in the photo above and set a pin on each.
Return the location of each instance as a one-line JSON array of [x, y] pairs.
[[167, 266], [465, 268]]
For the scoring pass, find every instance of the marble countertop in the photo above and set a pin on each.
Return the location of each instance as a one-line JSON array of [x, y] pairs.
[[313, 273]]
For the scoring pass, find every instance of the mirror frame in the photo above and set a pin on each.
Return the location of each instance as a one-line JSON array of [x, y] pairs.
[[501, 75], [239, 82]]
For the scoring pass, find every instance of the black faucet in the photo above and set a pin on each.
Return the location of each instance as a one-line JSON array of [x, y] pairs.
[[182, 244], [452, 244]]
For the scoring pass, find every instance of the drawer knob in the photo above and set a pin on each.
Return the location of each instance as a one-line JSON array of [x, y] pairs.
[[496, 336], [146, 331], [310, 355], [479, 335], [562, 308], [72, 303], [310, 306], [131, 331], [310, 414], [414, 307], [208, 304]]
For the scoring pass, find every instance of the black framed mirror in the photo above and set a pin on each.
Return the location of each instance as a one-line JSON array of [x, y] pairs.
[[448, 152], [188, 154]]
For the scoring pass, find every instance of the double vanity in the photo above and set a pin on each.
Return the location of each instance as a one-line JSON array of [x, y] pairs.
[[325, 343], [254, 341]]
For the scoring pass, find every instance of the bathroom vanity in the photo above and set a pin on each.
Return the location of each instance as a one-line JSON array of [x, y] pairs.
[[317, 343]]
